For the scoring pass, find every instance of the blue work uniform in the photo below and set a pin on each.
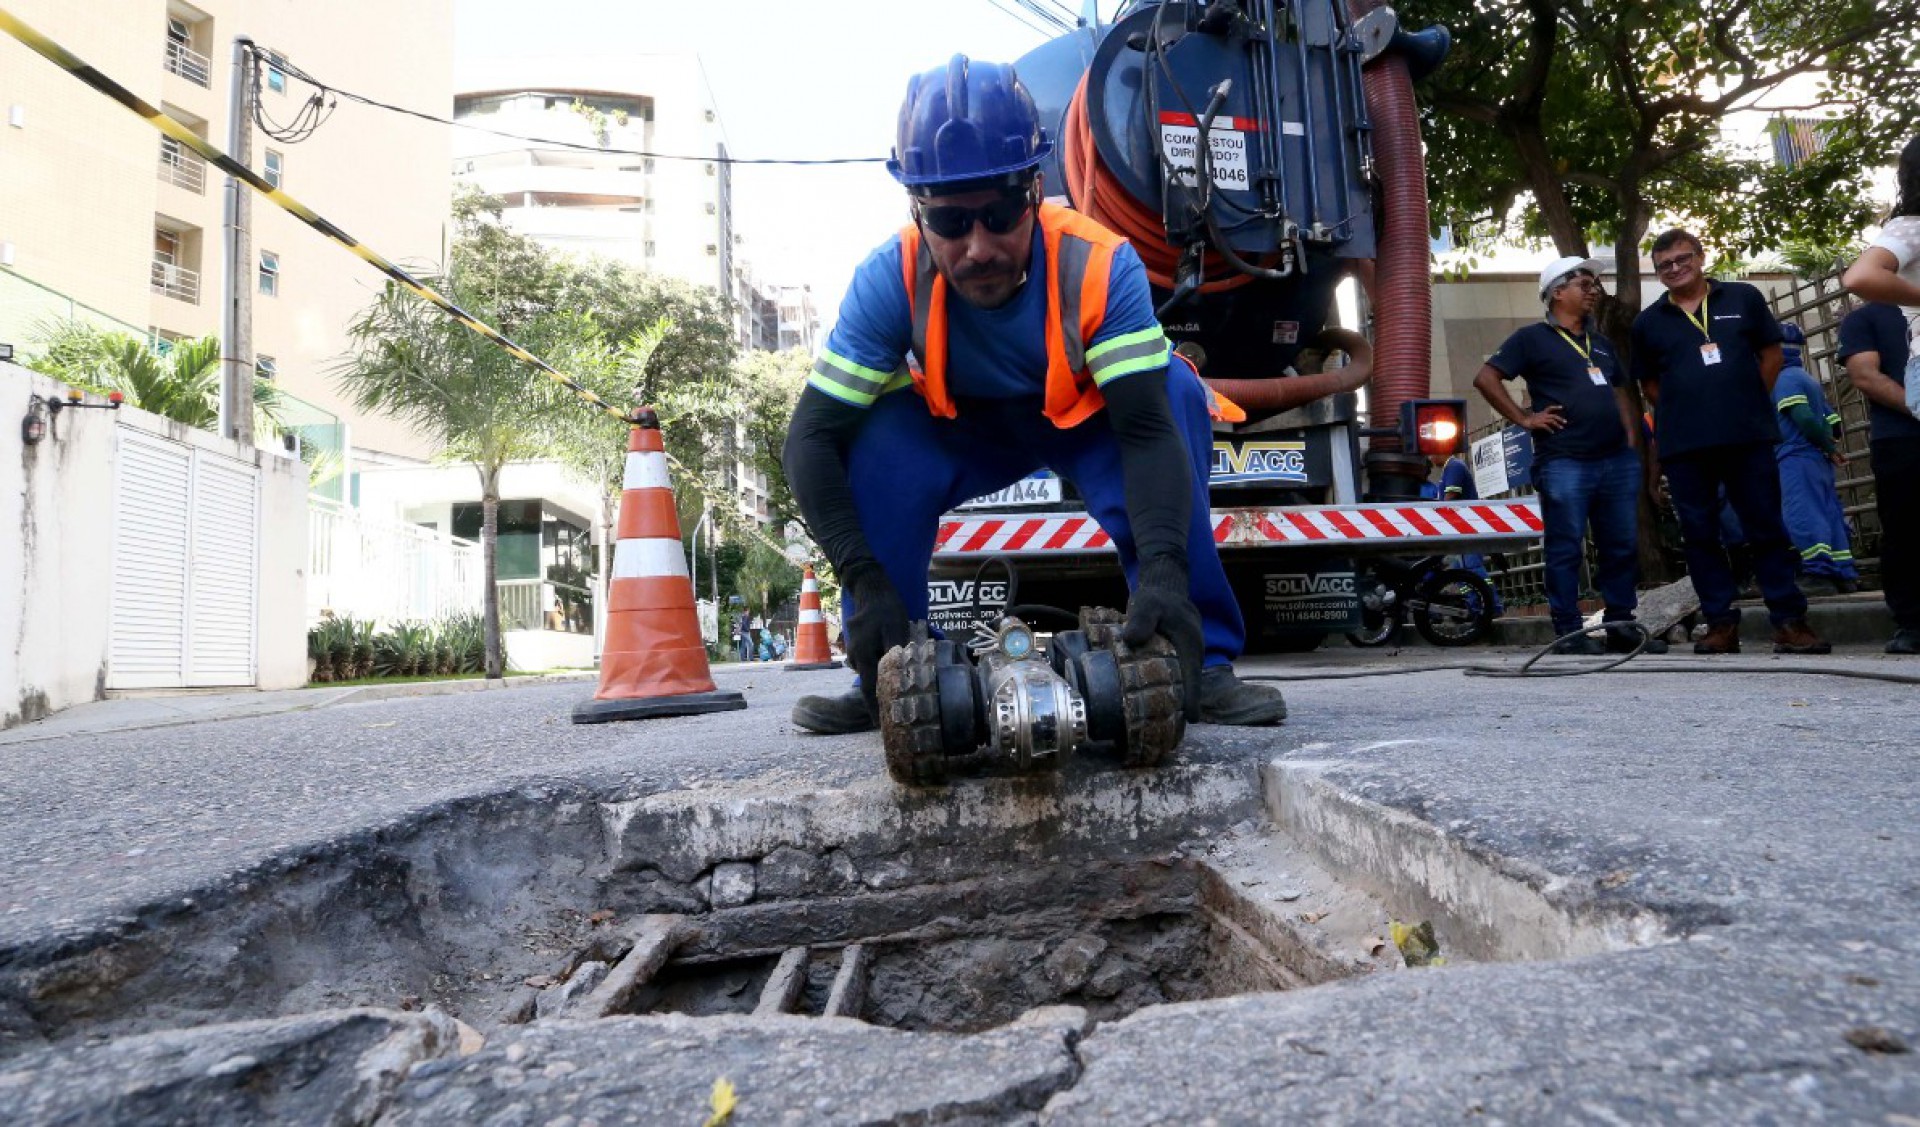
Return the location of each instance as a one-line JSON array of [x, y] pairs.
[[1716, 429], [907, 466], [1586, 474], [1809, 501], [1881, 330]]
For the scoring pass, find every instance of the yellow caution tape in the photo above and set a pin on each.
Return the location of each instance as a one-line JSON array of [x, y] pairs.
[[78, 67]]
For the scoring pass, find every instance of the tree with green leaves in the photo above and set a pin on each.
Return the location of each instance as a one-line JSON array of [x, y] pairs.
[[183, 384], [1585, 120], [412, 362], [770, 385], [766, 579]]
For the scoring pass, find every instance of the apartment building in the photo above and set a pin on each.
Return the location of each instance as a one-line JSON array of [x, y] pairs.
[[589, 193], [101, 212], [568, 174], [799, 322]]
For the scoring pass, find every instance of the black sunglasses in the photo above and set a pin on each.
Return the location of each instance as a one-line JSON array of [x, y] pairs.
[[950, 221]]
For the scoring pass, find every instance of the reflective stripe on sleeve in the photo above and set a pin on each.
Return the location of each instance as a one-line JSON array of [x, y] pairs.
[[849, 382], [1124, 355], [1792, 401]]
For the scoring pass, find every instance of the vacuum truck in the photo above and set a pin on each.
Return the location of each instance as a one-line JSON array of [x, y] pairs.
[[1258, 154]]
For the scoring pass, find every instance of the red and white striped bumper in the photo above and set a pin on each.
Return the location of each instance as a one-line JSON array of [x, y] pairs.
[[1429, 525]]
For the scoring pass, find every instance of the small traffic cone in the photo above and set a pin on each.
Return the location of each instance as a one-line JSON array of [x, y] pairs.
[[653, 662], [810, 636]]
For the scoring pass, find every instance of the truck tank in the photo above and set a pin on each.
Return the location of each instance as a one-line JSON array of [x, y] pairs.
[[1257, 152]]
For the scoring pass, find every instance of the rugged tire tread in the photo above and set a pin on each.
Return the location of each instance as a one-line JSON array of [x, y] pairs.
[[910, 714], [1153, 689]]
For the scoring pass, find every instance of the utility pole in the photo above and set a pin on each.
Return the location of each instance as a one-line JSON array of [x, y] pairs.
[[236, 288]]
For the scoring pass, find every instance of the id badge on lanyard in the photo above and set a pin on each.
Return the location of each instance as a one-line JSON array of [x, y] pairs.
[[1598, 377], [1710, 354]]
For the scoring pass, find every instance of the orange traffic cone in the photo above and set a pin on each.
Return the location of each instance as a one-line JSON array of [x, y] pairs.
[[653, 662], [810, 636]]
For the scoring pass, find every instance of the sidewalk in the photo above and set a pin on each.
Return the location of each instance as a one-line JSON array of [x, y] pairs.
[[130, 713]]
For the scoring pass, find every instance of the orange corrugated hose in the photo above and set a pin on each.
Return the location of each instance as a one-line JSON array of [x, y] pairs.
[[1099, 197]]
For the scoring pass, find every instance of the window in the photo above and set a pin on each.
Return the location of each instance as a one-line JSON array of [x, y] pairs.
[[265, 367], [166, 246], [713, 248], [274, 167], [710, 170], [646, 165], [269, 273], [712, 208], [276, 77], [178, 31], [650, 248]]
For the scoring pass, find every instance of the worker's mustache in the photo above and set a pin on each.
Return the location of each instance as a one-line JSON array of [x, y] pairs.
[[987, 271]]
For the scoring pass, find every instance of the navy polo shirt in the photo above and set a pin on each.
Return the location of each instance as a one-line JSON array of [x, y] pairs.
[[1879, 327], [1704, 405], [1556, 373]]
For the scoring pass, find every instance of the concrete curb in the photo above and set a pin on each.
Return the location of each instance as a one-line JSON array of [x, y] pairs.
[[242, 706], [368, 693]]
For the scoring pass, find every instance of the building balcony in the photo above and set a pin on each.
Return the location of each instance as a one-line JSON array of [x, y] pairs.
[[183, 168], [189, 64], [601, 185], [176, 282]]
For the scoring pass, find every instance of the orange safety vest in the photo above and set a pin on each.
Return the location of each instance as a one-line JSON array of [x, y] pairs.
[[1079, 260]]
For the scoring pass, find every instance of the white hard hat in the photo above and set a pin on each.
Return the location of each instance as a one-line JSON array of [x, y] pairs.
[[1557, 271]]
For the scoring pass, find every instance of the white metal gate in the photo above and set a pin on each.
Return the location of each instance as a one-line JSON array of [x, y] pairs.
[[186, 566]]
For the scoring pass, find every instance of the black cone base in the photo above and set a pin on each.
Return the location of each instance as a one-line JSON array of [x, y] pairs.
[[799, 666], [648, 708]]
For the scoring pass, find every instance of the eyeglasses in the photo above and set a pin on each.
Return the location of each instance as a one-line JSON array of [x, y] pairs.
[[950, 221], [1677, 262]]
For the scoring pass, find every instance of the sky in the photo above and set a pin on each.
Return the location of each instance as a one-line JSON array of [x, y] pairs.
[[790, 79]]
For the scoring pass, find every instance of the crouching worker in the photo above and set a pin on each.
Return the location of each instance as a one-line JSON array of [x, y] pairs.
[[1035, 345]]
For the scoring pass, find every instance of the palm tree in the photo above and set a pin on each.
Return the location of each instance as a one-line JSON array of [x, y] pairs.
[[417, 365], [182, 385]]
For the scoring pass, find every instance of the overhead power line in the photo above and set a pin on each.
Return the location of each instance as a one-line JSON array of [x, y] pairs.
[[712, 158], [1019, 16]]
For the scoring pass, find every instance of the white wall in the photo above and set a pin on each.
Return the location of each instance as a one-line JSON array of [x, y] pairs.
[[56, 571]]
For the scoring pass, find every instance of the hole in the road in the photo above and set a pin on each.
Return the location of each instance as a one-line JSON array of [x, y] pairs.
[[956, 910], [968, 956]]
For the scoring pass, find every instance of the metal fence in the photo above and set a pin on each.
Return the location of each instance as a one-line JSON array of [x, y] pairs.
[[385, 570]]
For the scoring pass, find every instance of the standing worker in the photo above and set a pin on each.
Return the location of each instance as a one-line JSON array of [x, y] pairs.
[[1586, 462], [1011, 372], [1880, 345], [1707, 355], [1809, 450]]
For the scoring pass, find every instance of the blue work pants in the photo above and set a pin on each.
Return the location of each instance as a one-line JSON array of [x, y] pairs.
[[1815, 519], [1603, 492], [908, 466], [1746, 471]]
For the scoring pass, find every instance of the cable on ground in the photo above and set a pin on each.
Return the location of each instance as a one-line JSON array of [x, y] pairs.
[[1618, 664]]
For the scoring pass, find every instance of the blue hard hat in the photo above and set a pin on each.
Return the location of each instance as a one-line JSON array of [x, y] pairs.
[[1792, 341], [966, 121]]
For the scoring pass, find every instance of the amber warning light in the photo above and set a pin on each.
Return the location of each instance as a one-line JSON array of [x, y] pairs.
[[1434, 426]]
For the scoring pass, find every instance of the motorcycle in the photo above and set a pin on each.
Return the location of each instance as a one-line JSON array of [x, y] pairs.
[[1449, 606]]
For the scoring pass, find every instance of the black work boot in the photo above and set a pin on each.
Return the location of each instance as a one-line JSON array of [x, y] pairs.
[[1623, 640], [1226, 699], [834, 716], [1905, 642]]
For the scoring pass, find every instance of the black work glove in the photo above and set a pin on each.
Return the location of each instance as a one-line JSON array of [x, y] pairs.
[[1161, 605], [878, 623]]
